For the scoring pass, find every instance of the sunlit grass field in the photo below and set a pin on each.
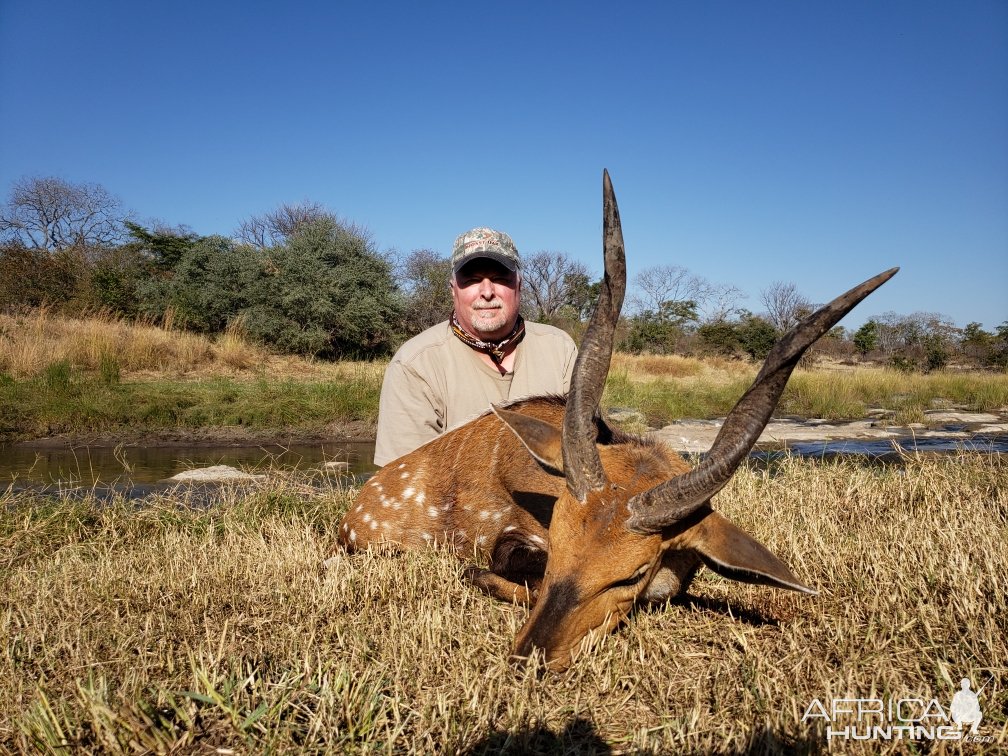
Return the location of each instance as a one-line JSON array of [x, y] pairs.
[[105, 376], [174, 627]]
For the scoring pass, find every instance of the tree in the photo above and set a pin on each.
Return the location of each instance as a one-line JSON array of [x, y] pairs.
[[756, 336], [719, 302], [213, 281], [582, 294], [32, 277], [719, 337], [549, 281], [423, 275], [785, 306], [866, 337], [975, 335], [276, 227], [325, 292], [998, 356], [660, 331], [668, 283], [163, 244], [52, 214]]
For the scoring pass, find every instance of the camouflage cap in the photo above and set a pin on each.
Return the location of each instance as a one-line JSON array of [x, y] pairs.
[[485, 242]]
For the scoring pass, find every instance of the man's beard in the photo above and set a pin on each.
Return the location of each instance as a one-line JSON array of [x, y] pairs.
[[483, 325]]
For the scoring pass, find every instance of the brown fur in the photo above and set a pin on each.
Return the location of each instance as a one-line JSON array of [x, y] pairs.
[[438, 493]]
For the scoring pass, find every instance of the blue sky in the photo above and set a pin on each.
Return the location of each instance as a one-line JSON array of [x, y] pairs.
[[814, 142]]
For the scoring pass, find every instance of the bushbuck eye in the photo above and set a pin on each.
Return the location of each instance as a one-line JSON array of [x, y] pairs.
[[633, 579]]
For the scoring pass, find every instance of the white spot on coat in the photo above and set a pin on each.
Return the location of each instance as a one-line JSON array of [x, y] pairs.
[[432, 511]]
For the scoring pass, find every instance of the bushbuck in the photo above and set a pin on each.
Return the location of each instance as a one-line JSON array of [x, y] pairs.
[[577, 520]]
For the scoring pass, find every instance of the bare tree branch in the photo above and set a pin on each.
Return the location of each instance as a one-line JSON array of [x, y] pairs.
[[53, 214], [660, 284], [721, 301], [423, 276], [547, 280], [785, 305], [273, 228]]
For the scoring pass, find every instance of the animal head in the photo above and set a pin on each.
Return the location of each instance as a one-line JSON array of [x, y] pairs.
[[633, 521]]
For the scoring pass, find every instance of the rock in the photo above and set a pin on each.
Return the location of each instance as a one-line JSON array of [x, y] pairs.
[[215, 474], [960, 417], [336, 466], [626, 415], [990, 428]]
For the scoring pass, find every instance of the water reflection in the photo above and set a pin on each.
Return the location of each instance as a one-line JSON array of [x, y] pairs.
[[87, 466], [146, 467]]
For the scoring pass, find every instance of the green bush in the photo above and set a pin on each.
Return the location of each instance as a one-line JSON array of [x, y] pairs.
[[34, 277], [866, 337], [936, 353], [327, 292], [756, 336], [659, 332], [212, 282], [720, 337]]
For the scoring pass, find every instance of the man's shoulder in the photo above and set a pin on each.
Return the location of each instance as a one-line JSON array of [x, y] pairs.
[[434, 338], [548, 333]]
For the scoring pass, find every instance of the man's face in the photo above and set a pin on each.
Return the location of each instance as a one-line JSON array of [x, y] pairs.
[[487, 296]]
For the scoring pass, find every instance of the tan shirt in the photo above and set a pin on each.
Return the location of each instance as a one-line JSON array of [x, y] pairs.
[[436, 383]]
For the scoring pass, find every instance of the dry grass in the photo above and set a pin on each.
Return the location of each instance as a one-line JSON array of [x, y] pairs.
[[669, 387], [29, 344], [172, 626]]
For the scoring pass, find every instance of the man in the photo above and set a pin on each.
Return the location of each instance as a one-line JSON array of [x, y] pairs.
[[484, 354]]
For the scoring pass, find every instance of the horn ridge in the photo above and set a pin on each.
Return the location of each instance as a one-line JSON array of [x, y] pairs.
[[582, 465], [669, 502]]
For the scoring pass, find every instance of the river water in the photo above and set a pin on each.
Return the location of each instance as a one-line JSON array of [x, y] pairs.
[[35, 466], [85, 466]]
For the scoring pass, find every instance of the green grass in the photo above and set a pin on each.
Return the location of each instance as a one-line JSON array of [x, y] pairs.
[[172, 626], [61, 400], [64, 399]]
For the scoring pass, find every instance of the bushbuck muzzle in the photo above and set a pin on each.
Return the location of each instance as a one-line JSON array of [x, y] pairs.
[[577, 520]]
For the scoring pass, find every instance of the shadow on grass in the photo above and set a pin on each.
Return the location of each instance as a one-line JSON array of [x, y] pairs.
[[578, 737], [768, 742], [718, 606], [581, 737]]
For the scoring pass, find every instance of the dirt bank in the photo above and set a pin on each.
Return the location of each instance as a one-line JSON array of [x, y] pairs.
[[355, 432], [682, 435]]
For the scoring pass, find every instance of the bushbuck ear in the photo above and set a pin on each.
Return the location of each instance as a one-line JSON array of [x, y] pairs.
[[734, 554], [544, 441]]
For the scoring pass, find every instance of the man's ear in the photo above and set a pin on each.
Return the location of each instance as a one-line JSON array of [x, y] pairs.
[[734, 554], [544, 441]]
